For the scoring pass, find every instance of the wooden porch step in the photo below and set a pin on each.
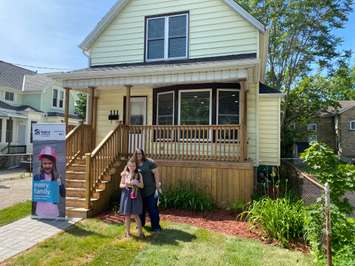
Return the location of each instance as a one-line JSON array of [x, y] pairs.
[[77, 167], [75, 192], [77, 212], [77, 202], [75, 183], [76, 175]]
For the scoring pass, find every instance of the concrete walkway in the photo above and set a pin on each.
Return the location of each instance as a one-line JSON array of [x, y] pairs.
[[26, 233]]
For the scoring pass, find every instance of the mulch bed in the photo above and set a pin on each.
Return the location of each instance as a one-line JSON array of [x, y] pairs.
[[221, 221]]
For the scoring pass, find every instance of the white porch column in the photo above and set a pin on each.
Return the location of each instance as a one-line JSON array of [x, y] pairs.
[[3, 130]]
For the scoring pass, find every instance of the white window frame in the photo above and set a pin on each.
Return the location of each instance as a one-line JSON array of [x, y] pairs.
[[166, 38], [217, 111], [314, 125], [58, 97], [350, 124], [10, 101], [157, 114]]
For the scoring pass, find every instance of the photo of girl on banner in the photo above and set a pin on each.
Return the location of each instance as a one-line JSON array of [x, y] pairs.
[[48, 184], [48, 172]]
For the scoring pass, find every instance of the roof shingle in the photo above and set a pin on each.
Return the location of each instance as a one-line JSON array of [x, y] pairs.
[[12, 76]]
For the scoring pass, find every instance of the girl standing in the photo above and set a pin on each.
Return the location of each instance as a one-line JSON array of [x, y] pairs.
[[48, 172], [131, 204]]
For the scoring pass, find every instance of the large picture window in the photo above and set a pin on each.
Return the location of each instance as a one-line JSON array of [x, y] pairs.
[[167, 37], [165, 108], [195, 107], [227, 106]]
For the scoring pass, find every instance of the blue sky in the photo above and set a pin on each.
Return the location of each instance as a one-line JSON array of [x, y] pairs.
[[48, 32]]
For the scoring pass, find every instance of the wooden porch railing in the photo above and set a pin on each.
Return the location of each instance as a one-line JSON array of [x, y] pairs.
[[193, 142], [78, 142], [214, 143]]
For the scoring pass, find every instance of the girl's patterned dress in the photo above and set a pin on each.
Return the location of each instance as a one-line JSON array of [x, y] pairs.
[[129, 206]]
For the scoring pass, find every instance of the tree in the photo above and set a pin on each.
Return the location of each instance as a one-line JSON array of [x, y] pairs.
[[300, 37], [80, 105]]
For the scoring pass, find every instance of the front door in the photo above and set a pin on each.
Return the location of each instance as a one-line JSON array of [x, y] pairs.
[[138, 117]]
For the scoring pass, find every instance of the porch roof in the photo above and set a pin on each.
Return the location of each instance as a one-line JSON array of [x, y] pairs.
[[158, 74]]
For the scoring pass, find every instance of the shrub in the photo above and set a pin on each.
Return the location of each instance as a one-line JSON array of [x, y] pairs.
[[327, 167], [237, 206], [186, 197], [281, 219], [343, 235]]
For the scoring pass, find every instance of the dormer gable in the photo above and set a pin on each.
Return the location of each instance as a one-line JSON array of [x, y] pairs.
[[137, 31]]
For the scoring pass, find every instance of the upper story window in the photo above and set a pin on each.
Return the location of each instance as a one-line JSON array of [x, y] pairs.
[[167, 37], [352, 125], [58, 98], [9, 96]]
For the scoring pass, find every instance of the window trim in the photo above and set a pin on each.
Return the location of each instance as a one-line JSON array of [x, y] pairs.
[[13, 98], [58, 96], [157, 112], [350, 123], [166, 36], [195, 90], [217, 104]]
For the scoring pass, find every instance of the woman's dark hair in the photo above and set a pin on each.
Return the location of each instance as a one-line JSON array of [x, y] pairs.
[[135, 157]]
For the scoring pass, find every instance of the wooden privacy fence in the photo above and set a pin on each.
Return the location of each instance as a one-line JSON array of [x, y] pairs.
[[193, 142], [78, 142]]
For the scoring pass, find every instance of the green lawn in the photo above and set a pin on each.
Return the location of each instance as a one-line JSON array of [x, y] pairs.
[[94, 242], [15, 212]]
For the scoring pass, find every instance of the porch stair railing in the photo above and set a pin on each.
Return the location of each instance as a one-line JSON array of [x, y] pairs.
[[78, 142], [99, 162]]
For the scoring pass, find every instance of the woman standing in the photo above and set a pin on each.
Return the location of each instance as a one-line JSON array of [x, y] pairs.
[[149, 171]]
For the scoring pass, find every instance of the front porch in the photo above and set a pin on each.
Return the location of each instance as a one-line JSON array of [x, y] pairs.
[[196, 131]]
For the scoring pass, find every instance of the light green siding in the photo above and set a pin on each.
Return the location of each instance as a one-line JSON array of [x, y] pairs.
[[269, 130], [33, 100], [215, 30]]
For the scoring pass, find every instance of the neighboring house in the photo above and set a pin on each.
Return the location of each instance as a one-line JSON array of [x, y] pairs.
[[182, 80], [335, 127], [27, 98]]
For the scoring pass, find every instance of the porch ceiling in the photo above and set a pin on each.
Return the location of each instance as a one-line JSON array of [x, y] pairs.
[[158, 75]]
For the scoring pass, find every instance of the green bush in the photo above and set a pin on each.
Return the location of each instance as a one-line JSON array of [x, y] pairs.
[[281, 219], [237, 206], [343, 235], [186, 197]]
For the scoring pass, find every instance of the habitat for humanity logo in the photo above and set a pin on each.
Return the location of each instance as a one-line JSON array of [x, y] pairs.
[[43, 133]]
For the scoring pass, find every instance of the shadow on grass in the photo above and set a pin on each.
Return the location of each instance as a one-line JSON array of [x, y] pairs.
[[169, 237]]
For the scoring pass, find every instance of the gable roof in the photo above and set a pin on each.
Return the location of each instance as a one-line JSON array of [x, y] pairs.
[[265, 89], [343, 107], [12, 76], [118, 7], [37, 82]]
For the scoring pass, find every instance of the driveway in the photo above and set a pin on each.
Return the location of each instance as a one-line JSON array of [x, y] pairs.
[[15, 191]]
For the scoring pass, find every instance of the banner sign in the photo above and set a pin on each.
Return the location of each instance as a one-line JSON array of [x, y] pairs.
[[48, 184], [45, 191]]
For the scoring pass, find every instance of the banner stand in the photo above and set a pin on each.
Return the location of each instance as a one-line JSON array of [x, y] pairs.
[[48, 176]]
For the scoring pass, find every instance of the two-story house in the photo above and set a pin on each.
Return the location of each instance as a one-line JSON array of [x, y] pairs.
[[27, 98], [183, 81], [335, 127]]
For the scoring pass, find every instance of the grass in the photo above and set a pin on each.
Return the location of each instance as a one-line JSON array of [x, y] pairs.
[[93, 242], [15, 212]]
